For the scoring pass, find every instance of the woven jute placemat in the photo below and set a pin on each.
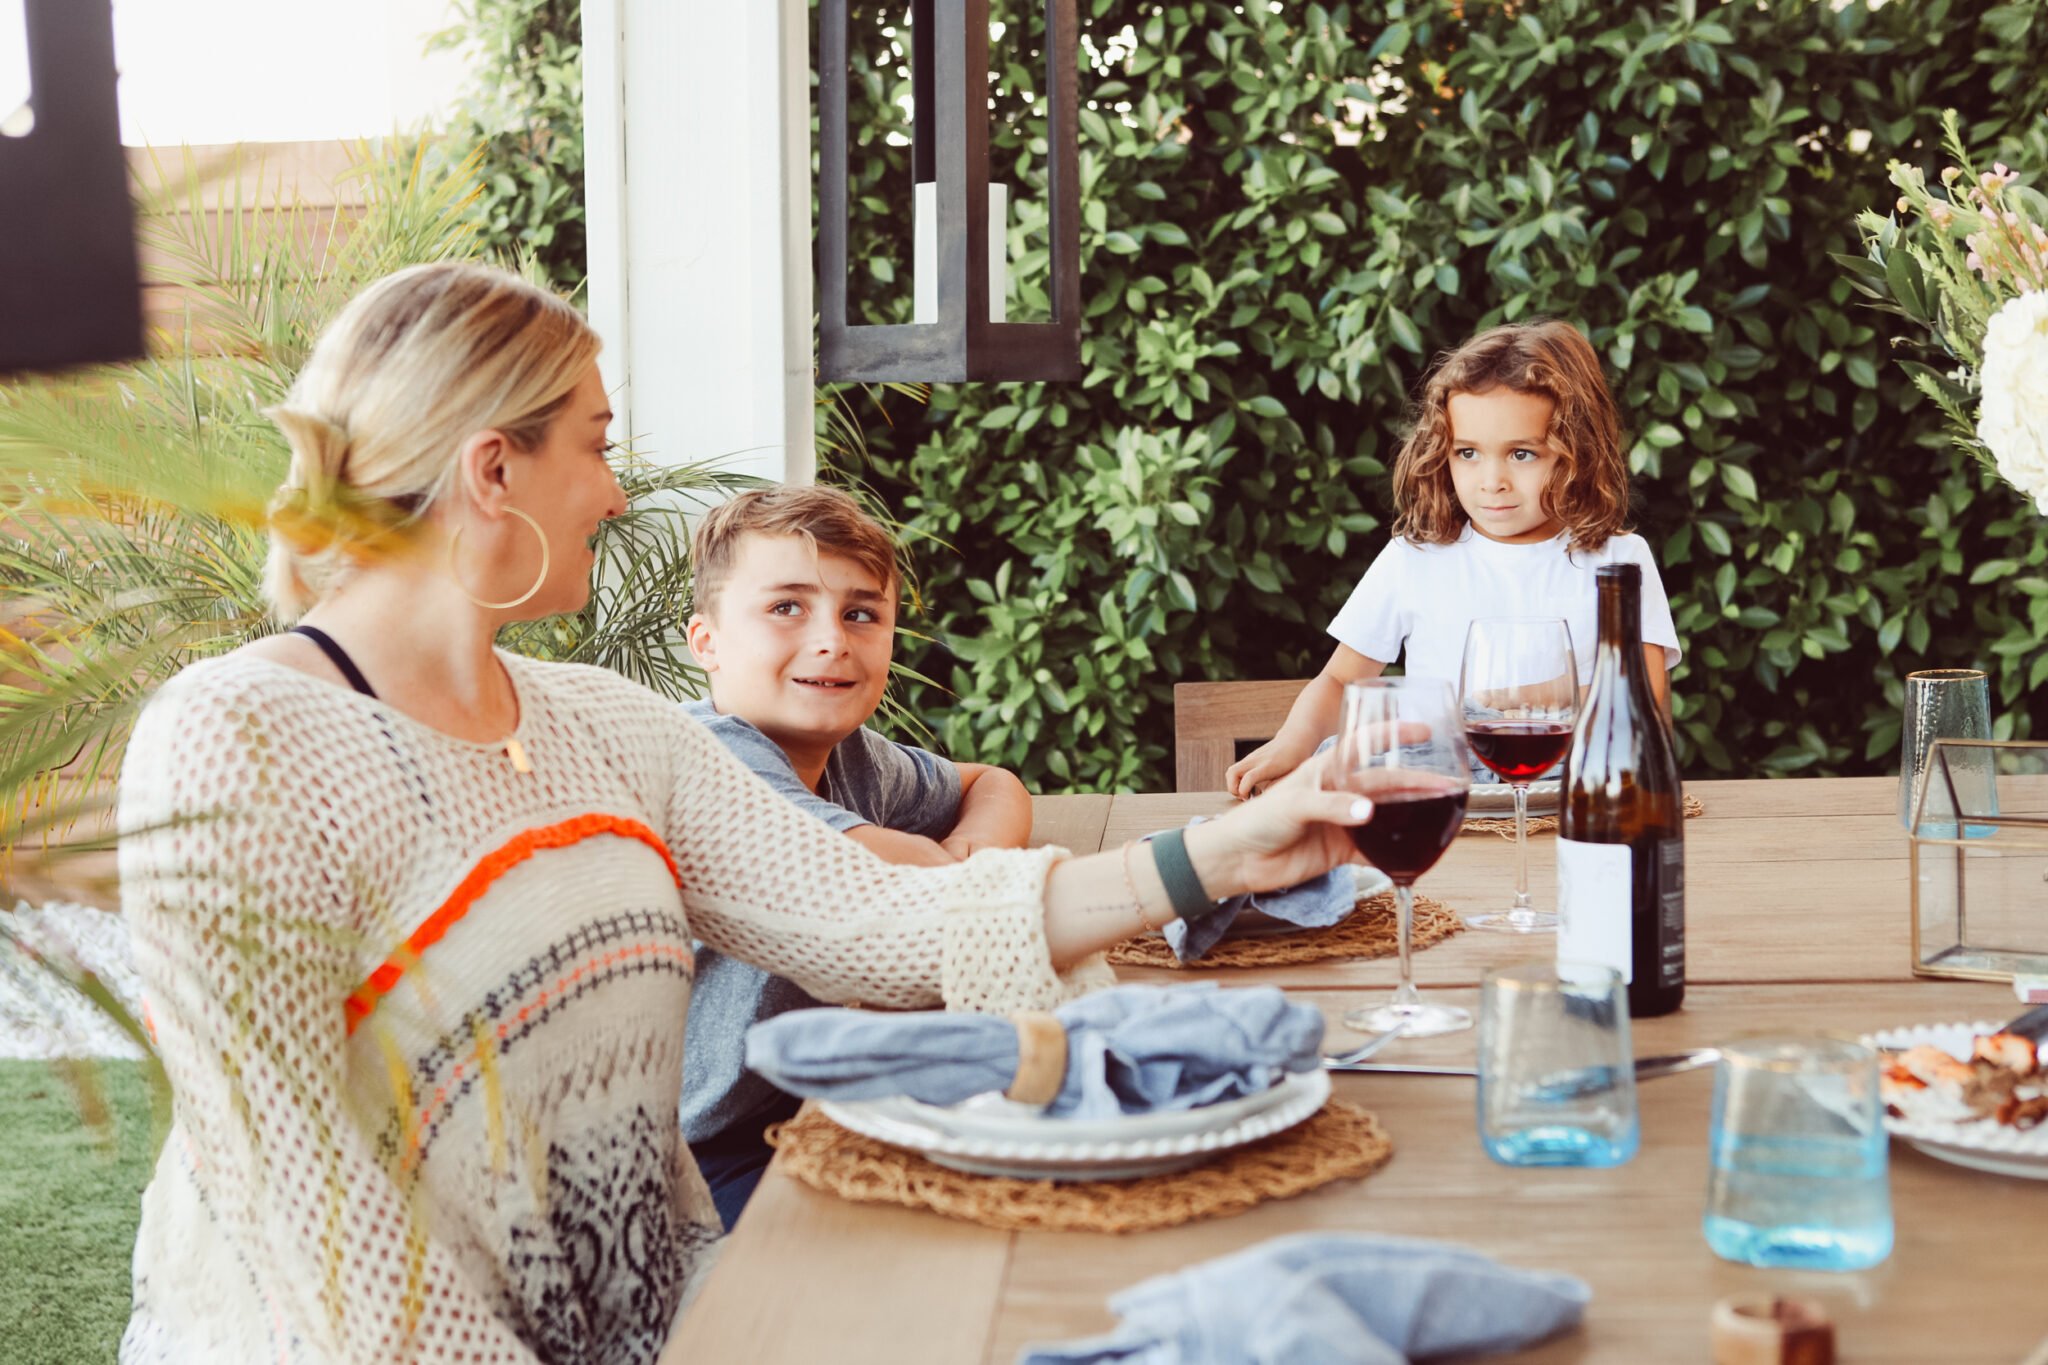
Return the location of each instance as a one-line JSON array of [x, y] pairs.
[[1369, 931], [1544, 824], [1338, 1142]]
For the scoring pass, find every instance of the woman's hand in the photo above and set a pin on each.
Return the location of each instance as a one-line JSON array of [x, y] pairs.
[[1265, 765], [1295, 831]]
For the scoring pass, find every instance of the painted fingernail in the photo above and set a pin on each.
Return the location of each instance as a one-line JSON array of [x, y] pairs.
[[1361, 809]]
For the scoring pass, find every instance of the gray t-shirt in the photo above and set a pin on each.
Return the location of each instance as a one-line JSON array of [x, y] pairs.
[[868, 780]]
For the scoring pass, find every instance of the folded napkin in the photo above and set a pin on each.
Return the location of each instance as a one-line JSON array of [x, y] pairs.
[[1316, 903], [1129, 1050], [1329, 1299]]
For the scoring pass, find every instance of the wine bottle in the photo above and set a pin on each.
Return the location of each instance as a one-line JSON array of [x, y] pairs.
[[1621, 827]]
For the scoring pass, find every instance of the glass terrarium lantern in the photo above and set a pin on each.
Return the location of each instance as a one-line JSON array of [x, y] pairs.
[[1979, 839]]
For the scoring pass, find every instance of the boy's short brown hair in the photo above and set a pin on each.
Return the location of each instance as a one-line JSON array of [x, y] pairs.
[[829, 521]]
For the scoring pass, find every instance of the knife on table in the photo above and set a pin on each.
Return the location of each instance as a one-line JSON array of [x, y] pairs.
[[1647, 1068]]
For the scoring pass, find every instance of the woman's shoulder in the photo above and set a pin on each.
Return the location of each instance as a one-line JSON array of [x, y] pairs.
[[611, 702], [586, 684], [240, 682]]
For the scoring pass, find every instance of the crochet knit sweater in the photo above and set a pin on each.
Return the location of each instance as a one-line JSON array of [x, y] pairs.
[[423, 1013]]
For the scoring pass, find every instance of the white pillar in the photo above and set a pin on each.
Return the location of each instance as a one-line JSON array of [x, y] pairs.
[[697, 151]]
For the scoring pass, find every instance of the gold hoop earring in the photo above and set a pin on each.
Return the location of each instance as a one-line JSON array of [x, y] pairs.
[[524, 597]]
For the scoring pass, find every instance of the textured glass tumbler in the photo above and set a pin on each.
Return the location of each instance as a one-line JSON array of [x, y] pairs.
[[1941, 703], [1557, 1072], [1798, 1175]]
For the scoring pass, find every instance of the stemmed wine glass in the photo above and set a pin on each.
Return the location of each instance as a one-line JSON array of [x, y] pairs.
[[1520, 693], [1401, 742]]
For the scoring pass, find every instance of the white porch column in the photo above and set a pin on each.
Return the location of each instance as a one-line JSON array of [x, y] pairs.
[[698, 188]]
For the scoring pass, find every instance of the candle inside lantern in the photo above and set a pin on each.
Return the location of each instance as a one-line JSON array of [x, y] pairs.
[[924, 272]]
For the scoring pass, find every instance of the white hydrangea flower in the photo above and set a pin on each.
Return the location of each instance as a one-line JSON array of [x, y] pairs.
[[2012, 418]]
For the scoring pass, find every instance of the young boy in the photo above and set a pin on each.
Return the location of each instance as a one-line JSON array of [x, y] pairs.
[[795, 623]]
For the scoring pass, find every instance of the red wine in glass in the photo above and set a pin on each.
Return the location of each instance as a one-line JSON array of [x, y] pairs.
[[1407, 834], [1519, 750], [1401, 741], [1519, 687]]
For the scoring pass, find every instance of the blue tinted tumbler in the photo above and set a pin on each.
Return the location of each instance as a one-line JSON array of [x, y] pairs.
[[1798, 1176], [1557, 1081]]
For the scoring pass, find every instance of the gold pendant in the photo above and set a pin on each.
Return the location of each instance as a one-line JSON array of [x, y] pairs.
[[517, 753]]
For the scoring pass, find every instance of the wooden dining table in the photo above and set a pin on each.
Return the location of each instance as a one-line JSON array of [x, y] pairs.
[[1797, 902]]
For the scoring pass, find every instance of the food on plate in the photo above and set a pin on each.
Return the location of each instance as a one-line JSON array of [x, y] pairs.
[[2001, 1081]]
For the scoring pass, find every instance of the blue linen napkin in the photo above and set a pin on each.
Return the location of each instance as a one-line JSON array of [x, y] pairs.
[[1316, 903], [1130, 1050], [1329, 1299]]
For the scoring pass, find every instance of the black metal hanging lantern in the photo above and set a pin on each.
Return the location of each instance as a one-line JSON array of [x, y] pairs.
[[70, 288], [966, 336]]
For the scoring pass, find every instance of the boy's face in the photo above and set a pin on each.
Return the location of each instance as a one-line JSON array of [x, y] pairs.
[[1501, 463], [797, 644]]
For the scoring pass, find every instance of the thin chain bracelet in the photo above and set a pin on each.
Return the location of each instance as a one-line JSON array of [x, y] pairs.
[[1137, 901]]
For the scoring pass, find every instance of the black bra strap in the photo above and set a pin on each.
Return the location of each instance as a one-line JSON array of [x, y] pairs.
[[337, 656]]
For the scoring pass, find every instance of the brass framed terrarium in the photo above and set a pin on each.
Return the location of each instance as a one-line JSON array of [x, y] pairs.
[[1979, 839]]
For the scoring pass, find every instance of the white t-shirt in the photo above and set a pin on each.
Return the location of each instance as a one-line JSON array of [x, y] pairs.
[[1424, 597]]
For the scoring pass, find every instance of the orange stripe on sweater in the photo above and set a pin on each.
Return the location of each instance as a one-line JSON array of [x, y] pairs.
[[494, 865]]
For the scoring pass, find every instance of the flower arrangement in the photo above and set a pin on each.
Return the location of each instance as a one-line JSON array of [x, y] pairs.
[[1967, 261]]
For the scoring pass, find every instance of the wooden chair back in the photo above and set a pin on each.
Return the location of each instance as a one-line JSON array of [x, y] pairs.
[[1210, 718]]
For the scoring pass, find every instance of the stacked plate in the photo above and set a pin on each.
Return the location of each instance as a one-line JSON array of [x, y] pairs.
[[989, 1135], [1494, 799], [1946, 1131]]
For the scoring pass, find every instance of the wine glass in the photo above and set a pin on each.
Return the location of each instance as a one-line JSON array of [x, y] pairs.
[[1520, 694], [1401, 742]]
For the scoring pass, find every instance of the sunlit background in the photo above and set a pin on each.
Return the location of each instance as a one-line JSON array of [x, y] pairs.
[[213, 71]]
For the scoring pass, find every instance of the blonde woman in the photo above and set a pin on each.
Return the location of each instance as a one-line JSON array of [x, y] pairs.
[[414, 916]]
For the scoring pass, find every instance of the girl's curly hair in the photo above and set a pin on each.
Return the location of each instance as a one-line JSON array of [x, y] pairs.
[[1589, 492]]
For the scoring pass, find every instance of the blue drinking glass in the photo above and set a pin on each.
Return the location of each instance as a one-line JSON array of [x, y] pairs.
[[1557, 1078], [1798, 1176]]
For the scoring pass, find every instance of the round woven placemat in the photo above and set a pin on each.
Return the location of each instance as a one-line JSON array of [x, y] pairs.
[[1338, 1142], [1369, 931], [1544, 824]]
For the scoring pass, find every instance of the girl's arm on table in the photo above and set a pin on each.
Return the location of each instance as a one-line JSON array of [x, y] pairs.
[[1312, 719]]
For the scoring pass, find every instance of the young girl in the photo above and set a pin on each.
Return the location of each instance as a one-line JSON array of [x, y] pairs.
[[1511, 491]]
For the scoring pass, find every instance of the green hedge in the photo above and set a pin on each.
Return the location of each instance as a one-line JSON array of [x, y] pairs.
[[1290, 208], [1288, 212], [522, 113]]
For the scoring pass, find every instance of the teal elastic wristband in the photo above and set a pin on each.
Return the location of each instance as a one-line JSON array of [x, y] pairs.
[[1170, 855]]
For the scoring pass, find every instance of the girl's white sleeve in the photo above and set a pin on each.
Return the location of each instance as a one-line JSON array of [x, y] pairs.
[[242, 916], [1375, 620], [768, 884], [1658, 627]]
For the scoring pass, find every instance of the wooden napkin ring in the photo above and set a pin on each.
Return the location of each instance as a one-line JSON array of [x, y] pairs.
[[1772, 1331], [1041, 1058]]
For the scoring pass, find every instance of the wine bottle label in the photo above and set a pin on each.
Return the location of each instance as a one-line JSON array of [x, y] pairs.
[[1671, 913], [1593, 905]]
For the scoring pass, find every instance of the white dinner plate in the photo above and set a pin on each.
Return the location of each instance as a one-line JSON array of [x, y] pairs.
[[989, 1135], [1936, 1126], [1492, 799]]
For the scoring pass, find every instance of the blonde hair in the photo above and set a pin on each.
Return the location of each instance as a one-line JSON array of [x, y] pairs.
[[1589, 492], [824, 518], [414, 365]]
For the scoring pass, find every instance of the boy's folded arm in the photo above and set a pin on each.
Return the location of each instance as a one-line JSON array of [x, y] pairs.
[[900, 846], [995, 811]]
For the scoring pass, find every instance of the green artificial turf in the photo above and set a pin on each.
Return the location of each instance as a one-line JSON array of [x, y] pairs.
[[69, 1202]]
